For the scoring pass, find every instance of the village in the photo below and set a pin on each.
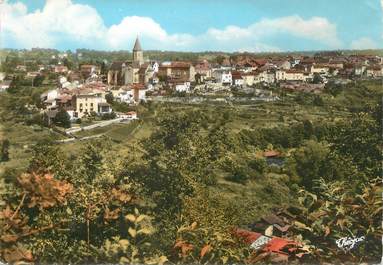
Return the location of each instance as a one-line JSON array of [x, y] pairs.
[[191, 132], [88, 91]]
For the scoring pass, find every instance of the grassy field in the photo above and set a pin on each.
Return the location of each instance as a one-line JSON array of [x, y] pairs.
[[21, 138]]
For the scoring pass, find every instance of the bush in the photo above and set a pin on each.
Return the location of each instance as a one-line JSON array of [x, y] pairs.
[[62, 119], [108, 116], [258, 164], [5, 150], [239, 175]]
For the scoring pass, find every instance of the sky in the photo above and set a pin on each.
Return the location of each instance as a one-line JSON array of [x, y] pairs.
[[193, 25]]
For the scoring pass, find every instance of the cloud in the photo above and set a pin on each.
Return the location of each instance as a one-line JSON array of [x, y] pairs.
[[119, 35], [316, 28], [57, 21], [64, 21], [363, 43]]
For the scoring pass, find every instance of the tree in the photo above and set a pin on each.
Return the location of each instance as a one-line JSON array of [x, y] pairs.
[[317, 79], [109, 98], [47, 158], [318, 101], [308, 129], [311, 163], [360, 140], [333, 89], [67, 63], [5, 150], [62, 119], [87, 220], [38, 80], [220, 59]]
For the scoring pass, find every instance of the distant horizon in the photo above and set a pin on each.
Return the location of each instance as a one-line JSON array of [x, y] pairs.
[[206, 51], [193, 26]]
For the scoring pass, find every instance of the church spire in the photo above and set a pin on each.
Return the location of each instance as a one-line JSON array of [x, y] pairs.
[[137, 45]]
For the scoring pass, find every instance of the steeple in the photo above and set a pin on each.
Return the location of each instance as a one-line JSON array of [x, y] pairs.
[[137, 45], [138, 54]]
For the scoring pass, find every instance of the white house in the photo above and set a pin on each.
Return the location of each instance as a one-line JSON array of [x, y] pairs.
[[155, 66], [182, 86], [49, 98], [374, 71], [268, 77], [131, 115], [292, 75], [223, 76], [62, 79], [238, 81], [124, 95], [89, 102], [320, 69], [4, 85], [359, 70], [283, 64], [248, 78]]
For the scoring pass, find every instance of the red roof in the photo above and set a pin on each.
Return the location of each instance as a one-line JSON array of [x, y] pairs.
[[248, 236], [138, 86], [271, 153]]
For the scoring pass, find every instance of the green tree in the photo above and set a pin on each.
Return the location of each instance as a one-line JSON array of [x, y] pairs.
[[109, 98], [311, 163], [360, 140], [317, 79], [318, 101], [62, 119], [5, 150], [38, 80]]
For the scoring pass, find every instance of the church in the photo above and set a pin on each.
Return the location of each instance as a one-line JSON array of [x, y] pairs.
[[136, 71]]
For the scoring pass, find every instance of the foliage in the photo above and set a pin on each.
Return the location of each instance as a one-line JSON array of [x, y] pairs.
[[310, 162], [134, 248], [38, 80], [62, 119], [360, 140], [208, 239], [318, 101], [317, 79], [168, 201], [109, 98], [76, 211], [333, 89], [338, 210], [4, 155], [108, 116]]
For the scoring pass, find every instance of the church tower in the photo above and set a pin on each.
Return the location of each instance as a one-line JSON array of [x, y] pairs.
[[138, 55]]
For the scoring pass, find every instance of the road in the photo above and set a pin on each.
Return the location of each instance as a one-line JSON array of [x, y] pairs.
[[90, 127]]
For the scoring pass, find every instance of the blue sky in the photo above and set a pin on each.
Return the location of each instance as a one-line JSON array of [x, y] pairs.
[[227, 25]]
